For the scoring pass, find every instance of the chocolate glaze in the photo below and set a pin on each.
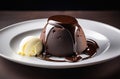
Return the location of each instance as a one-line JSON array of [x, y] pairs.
[[63, 37]]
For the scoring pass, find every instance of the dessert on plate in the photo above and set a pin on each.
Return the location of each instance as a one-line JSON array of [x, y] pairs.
[[62, 37]]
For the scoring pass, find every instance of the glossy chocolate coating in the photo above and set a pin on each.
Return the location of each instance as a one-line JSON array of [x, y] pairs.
[[64, 38]]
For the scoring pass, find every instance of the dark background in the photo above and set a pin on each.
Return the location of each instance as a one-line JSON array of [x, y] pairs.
[[13, 11], [59, 5]]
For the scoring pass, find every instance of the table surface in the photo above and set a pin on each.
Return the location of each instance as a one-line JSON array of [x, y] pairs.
[[105, 70]]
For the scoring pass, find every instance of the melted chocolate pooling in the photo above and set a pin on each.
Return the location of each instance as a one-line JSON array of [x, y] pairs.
[[92, 47]]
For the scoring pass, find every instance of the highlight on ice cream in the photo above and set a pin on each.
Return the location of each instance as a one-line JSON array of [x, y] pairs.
[[30, 46]]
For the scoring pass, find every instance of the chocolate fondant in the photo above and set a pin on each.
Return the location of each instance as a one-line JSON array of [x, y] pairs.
[[62, 36]]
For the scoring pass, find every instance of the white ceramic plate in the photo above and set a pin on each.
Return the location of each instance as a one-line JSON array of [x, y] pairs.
[[107, 37]]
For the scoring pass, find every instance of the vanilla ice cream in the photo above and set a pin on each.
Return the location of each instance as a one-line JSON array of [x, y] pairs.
[[30, 46]]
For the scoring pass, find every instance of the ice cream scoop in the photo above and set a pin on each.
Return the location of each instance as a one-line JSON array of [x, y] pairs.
[[30, 46]]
